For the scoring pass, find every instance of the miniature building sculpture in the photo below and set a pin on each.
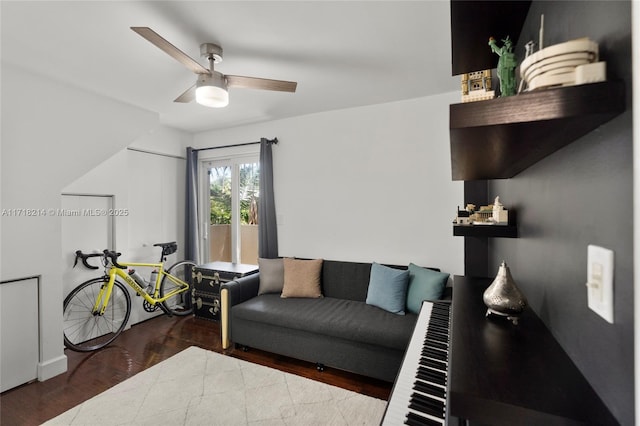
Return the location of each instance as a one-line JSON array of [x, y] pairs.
[[463, 217], [493, 214], [563, 64], [500, 215], [476, 86]]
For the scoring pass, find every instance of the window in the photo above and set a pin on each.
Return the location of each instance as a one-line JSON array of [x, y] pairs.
[[232, 210]]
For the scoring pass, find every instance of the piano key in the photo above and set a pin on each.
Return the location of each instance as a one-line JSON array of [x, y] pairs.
[[428, 362], [427, 401], [431, 376], [414, 419], [438, 345], [430, 389], [438, 335], [438, 319], [435, 353], [439, 329], [426, 408], [428, 347]]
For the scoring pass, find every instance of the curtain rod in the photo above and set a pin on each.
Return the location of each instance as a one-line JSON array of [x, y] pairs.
[[273, 141], [145, 151]]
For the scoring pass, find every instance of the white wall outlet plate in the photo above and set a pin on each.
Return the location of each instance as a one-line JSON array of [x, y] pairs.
[[600, 281]]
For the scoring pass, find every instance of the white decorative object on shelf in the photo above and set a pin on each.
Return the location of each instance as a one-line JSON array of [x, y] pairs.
[[591, 73], [564, 64], [478, 95], [500, 215], [493, 214]]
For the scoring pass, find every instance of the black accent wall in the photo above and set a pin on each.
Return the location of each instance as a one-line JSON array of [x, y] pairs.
[[579, 195]]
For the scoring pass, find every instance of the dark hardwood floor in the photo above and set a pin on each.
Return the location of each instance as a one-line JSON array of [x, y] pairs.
[[138, 348]]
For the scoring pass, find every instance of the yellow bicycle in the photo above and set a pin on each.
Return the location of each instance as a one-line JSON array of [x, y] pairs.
[[96, 311]]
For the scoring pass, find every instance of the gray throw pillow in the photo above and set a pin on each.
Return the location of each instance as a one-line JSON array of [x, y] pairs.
[[271, 275]]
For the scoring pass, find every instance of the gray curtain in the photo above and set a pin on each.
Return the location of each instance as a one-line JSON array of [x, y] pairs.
[[268, 231], [192, 238]]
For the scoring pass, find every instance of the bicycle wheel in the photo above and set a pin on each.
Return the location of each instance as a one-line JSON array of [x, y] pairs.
[[85, 331], [179, 304]]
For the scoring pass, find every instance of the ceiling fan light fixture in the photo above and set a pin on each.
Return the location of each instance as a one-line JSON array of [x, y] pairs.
[[211, 86], [211, 90]]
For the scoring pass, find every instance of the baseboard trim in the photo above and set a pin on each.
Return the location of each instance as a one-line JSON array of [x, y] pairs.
[[52, 368]]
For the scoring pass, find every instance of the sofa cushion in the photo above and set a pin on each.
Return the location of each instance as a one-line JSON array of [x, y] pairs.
[[424, 284], [388, 288], [345, 280], [302, 278], [346, 319], [271, 275]]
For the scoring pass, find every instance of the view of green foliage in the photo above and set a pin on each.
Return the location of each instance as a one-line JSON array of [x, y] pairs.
[[220, 194]]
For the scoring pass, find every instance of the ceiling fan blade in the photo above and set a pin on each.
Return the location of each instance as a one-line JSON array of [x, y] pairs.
[[188, 95], [260, 83], [170, 49]]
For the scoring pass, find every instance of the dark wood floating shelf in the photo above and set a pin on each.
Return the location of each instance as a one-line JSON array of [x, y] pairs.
[[504, 374], [499, 138], [495, 231]]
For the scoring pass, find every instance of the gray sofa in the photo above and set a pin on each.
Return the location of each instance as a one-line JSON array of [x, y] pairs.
[[338, 330]]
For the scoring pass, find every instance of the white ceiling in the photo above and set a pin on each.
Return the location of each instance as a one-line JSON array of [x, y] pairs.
[[342, 53]]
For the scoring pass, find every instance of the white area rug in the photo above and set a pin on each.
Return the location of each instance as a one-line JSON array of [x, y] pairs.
[[200, 387]]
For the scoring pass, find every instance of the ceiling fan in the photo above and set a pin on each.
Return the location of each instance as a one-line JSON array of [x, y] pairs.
[[211, 87]]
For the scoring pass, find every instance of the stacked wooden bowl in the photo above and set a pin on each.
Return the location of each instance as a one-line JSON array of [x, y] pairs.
[[565, 64]]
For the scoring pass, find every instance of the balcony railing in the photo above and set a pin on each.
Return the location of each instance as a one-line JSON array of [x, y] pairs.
[[220, 243]]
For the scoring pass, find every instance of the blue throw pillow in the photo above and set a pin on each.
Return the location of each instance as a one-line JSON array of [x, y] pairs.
[[388, 288], [424, 284]]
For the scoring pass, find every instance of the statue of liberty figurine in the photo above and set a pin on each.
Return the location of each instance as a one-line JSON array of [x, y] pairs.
[[506, 66]]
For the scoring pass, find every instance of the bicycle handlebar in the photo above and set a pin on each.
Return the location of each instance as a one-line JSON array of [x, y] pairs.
[[112, 255], [84, 257], [114, 258]]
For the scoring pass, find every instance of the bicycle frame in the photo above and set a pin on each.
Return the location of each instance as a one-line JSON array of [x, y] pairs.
[[102, 300]]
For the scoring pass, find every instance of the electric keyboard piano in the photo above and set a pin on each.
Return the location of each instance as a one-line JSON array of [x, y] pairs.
[[496, 373], [419, 393]]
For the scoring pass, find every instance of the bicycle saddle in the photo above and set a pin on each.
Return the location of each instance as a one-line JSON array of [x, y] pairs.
[[167, 248]]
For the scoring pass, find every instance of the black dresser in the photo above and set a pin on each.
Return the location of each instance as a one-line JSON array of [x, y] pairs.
[[206, 285]]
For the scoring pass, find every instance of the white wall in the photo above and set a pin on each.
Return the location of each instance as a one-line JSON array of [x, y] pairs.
[[364, 184], [51, 134]]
